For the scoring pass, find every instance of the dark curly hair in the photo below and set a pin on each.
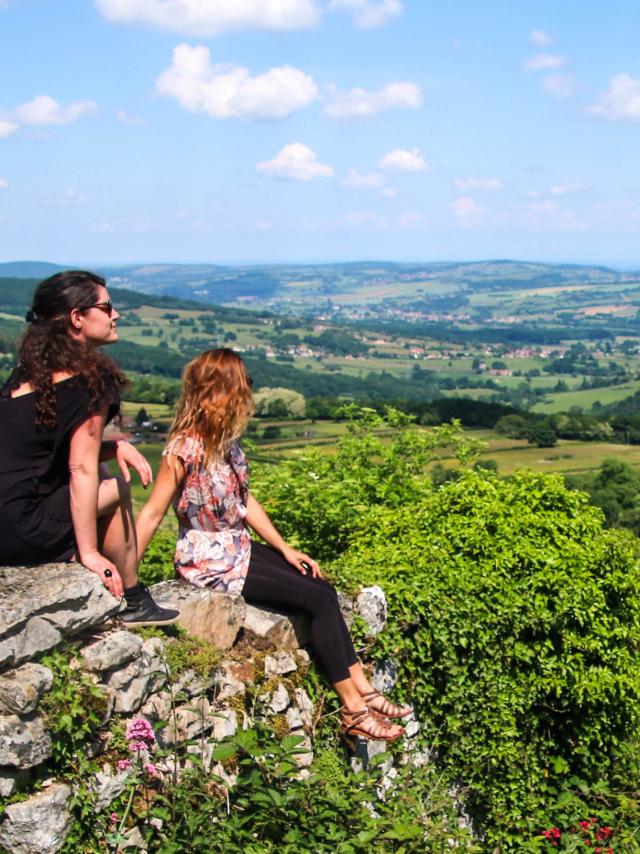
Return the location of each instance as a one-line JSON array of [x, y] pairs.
[[47, 346]]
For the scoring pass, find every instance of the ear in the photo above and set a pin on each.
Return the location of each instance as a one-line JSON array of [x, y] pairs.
[[75, 319]]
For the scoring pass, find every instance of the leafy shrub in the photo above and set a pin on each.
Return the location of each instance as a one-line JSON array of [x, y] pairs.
[[515, 618]]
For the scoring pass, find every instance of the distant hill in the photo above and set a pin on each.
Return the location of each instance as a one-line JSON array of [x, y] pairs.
[[29, 269]]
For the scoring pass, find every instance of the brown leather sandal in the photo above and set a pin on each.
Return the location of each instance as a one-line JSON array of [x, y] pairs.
[[365, 724], [387, 708]]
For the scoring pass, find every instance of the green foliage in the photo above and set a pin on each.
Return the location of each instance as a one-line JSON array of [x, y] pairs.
[[72, 710], [515, 618], [317, 500], [157, 564]]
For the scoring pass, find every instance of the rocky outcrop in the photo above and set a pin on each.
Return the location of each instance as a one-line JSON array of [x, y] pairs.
[[42, 606]]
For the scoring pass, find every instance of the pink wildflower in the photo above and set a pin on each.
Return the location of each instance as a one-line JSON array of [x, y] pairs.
[[123, 764], [151, 769], [113, 818], [140, 730]]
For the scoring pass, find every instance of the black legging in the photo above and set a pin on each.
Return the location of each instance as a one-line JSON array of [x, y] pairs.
[[274, 582]]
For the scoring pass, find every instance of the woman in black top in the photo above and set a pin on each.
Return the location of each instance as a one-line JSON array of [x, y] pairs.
[[56, 500]]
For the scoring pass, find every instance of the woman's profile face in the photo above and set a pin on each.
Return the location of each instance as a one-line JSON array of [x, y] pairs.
[[96, 325]]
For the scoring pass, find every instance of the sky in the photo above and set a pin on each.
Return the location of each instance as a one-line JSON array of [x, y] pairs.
[[253, 131]]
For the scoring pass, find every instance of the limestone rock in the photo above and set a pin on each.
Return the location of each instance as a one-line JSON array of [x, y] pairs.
[[225, 724], [305, 757], [278, 630], [132, 684], [21, 689], [38, 825], [158, 706], [277, 701], [188, 722], [12, 780], [135, 840], [41, 605], [385, 676], [304, 704], [193, 684], [371, 604], [294, 718], [302, 657], [364, 751], [279, 664], [106, 785], [214, 617], [227, 685], [115, 650], [24, 743], [346, 606]]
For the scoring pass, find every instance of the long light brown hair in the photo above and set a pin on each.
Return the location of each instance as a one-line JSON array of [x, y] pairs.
[[216, 402]]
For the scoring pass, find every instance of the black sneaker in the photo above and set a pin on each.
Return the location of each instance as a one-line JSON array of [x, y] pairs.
[[144, 612]]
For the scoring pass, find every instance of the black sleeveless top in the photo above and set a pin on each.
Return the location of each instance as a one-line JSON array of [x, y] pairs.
[[34, 470]]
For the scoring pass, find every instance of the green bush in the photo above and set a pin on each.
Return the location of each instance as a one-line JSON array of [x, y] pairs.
[[515, 617]]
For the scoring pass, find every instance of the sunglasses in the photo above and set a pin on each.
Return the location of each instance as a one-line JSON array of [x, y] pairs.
[[106, 306]]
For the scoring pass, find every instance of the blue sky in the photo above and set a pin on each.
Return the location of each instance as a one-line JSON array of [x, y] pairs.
[[309, 130]]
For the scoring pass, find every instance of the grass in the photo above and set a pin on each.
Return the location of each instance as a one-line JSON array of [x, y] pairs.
[[563, 401]]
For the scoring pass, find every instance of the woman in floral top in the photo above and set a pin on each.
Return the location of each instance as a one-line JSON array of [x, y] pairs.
[[204, 474]]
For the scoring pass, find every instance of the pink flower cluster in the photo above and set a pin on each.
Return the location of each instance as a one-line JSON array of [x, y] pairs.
[[139, 734], [591, 833]]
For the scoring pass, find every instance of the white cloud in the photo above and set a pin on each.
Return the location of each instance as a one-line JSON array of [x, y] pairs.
[[467, 211], [560, 85], [44, 110], [364, 179], [211, 17], [474, 183], [127, 119], [3, 183], [403, 160], [369, 180], [229, 91], [64, 199], [7, 128], [545, 62], [567, 189], [621, 101], [359, 219], [540, 38], [295, 162], [368, 14], [263, 225], [358, 103]]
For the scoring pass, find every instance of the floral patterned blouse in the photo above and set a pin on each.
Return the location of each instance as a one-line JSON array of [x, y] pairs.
[[214, 546]]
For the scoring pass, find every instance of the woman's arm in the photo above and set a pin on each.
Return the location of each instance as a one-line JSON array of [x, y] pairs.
[[84, 454], [264, 527], [127, 457], [169, 479]]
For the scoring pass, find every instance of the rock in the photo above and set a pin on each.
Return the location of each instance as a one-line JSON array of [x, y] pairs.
[[12, 780], [227, 685], [277, 701], [38, 825], [132, 684], [411, 727], [225, 724], [346, 606], [193, 684], [371, 604], [21, 689], [385, 676], [112, 651], [304, 704], [364, 751], [279, 664], [214, 617], [106, 785], [24, 743], [134, 840], [187, 722], [41, 605], [305, 757], [280, 631], [158, 707], [294, 718], [225, 778], [302, 657]]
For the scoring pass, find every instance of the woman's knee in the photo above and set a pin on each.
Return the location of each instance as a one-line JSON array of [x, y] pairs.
[[113, 493]]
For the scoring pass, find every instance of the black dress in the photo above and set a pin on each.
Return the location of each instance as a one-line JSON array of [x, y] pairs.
[[35, 508]]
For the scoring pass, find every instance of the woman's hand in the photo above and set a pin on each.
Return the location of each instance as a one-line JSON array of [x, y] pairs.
[[95, 562], [299, 559], [129, 457]]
